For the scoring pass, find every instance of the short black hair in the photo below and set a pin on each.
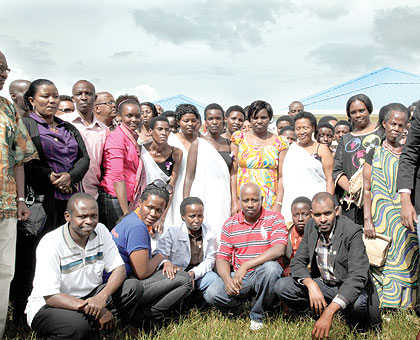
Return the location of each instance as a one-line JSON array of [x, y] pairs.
[[323, 125], [343, 122], [363, 98], [234, 108], [169, 114], [286, 128], [33, 89], [124, 97], [160, 118], [152, 107], [126, 102], [307, 115], [189, 201], [152, 189], [65, 98], [285, 118], [322, 197], [183, 109], [77, 197], [327, 119], [302, 199], [257, 106], [213, 106]]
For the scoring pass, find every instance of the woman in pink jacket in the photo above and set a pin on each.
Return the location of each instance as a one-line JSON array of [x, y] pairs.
[[123, 168]]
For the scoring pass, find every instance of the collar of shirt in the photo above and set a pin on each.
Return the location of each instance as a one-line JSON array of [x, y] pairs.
[[75, 117], [324, 242], [242, 220], [38, 119], [191, 235]]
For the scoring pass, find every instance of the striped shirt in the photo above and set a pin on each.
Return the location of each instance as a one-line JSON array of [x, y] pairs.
[[241, 241], [64, 267]]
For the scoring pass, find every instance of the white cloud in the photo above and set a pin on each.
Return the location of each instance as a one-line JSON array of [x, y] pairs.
[[143, 91]]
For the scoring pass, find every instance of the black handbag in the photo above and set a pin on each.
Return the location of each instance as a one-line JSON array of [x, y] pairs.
[[35, 224]]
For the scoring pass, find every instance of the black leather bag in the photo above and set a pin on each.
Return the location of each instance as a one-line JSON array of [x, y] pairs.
[[35, 224]]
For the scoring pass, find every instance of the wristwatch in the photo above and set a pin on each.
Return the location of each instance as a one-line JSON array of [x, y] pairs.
[[21, 199]]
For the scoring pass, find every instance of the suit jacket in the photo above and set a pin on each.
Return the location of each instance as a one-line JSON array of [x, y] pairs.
[[408, 169], [351, 264]]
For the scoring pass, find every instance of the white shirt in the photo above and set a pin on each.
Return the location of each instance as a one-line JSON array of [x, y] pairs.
[[175, 244], [64, 267], [94, 136]]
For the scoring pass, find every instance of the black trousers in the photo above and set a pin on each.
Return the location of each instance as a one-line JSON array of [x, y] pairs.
[[63, 324]]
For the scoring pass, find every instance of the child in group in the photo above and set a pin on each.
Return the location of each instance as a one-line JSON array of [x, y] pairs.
[[301, 213], [190, 247]]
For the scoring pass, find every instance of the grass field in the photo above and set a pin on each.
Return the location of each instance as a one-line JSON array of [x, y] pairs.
[[213, 325]]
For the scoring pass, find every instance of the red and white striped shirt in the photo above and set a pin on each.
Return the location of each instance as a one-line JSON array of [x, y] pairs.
[[241, 241]]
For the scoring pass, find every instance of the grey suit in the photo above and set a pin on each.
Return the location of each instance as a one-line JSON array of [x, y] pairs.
[[350, 266]]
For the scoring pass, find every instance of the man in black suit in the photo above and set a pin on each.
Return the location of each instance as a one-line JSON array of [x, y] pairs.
[[339, 278]]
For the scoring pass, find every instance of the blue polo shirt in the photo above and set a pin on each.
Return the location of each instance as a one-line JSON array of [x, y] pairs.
[[129, 235]]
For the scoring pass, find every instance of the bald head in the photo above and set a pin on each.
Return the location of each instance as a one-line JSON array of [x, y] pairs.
[[250, 199], [250, 188], [3, 68], [84, 97], [17, 89], [323, 197], [80, 196], [294, 108], [105, 109]]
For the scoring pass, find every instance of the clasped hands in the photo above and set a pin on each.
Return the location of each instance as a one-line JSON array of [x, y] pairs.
[[95, 306], [61, 181]]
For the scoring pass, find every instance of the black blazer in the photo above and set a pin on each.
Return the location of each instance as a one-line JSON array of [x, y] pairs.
[[408, 169], [351, 264], [37, 171]]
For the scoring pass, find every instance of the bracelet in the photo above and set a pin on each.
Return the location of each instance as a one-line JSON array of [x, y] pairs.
[[279, 203], [21, 199]]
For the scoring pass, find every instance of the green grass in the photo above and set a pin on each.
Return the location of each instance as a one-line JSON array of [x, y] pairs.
[[213, 325]]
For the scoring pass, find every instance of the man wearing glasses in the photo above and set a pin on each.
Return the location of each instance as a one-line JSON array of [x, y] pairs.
[[105, 110], [16, 148], [66, 105]]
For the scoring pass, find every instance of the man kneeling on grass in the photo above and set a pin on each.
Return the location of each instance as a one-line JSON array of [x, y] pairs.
[[339, 277], [190, 247], [255, 239], [69, 300]]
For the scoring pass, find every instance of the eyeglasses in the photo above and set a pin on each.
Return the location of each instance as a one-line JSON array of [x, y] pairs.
[[66, 110], [4, 69], [162, 184], [110, 103]]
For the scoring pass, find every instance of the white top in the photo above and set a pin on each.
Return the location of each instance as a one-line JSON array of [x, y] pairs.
[[64, 267], [175, 244], [94, 136]]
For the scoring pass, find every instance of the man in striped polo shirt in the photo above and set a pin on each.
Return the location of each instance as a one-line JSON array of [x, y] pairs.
[[255, 241]]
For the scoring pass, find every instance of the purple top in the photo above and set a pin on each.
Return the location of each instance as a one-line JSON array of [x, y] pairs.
[[60, 148]]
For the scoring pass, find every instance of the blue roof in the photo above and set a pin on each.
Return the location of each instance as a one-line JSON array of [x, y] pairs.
[[170, 103], [383, 86]]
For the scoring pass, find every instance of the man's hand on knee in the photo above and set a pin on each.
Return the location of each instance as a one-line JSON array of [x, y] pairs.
[[316, 298], [106, 320], [231, 287]]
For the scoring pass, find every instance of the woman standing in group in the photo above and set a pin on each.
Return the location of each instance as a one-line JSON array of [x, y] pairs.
[[189, 121], [210, 170], [234, 119], [307, 167], [396, 281], [148, 111], [63, 161], [350, 154], [260, 155], [122, 166], [161, 160]]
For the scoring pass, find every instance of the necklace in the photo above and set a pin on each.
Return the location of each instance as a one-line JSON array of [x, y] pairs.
[[53, 127], [396, 151], [256, 144]]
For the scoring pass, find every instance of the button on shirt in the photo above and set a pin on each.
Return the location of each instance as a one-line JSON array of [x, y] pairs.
[[16, 148], [94, 136]]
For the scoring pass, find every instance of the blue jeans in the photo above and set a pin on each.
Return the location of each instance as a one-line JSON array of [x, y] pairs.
[[205, 281], [260, 281]]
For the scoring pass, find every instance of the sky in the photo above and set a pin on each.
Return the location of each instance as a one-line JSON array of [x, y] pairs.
[[225, 51]]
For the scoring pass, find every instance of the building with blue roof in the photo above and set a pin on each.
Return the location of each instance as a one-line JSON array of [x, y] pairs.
[[382, 86], [170, 103]]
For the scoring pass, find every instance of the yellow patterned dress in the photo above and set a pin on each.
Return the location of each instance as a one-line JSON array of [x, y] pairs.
[[259, 165], [396, 281]]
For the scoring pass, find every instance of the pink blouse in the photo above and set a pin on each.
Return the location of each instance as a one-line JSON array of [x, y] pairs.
[[120, 163]]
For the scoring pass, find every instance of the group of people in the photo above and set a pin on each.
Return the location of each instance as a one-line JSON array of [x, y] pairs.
[[146, 211]]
